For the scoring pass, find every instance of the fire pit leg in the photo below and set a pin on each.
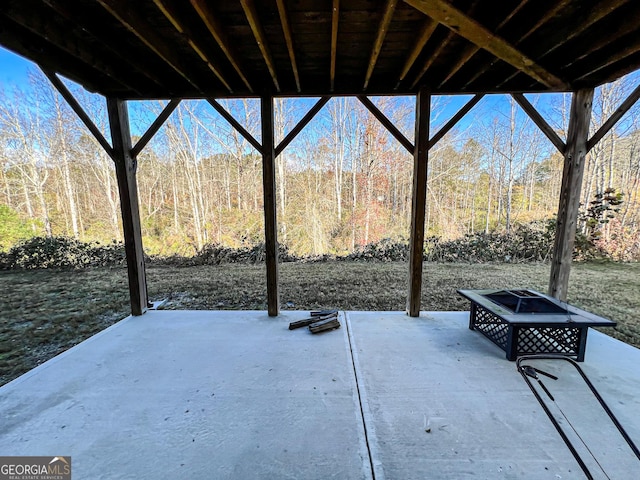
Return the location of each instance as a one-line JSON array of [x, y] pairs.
[[512, 343], [582, 344], [472, 316]]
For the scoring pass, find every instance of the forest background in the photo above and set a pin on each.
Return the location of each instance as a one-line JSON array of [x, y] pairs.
[[342, 184]]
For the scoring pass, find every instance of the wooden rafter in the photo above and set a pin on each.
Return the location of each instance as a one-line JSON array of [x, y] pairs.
[[449, 16], [616, 57], [46, 27], [455, 119], [388, 124], [77, 108], [124, 12], [258, 32], [235, 124], [614, 118], [537, 25], [622, 30], [436, 53], [335, 20], [432, 58], [427, 30], [155, 126], [213, 25], [301, 124], [472, 49], [544, 19], [595, 15], [377, 44], [288, 37], [540, 121], [75, 17], [190, 38]]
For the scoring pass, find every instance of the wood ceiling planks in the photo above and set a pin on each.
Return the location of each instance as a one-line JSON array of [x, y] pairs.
[[203, 49]]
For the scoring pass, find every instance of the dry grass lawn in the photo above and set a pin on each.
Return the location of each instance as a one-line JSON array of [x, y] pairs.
[[43, 313]]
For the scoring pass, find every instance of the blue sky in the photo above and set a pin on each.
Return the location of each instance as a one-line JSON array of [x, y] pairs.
[[13, 68], [14, 73]]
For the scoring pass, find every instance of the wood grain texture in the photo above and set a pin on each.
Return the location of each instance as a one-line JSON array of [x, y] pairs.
[[569, 204]]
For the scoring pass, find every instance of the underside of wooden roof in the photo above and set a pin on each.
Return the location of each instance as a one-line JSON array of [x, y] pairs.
[[203, 48]]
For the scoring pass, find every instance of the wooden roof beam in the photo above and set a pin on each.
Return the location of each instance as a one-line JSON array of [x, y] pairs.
[[473, 49], [595, 15], [611, 59], [432, 58], [126, 14], [286, 29], [541, 21], [78, 19], [540, 122], [436, 53], [251, 13], [213, 25], [170, 14], [382, 33], [446, 14], [544, 19], [629, 26], [44, 27], [427, 30], [335, 18]]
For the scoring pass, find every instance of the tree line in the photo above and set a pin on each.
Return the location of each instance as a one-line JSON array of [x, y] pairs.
[[343, 183]]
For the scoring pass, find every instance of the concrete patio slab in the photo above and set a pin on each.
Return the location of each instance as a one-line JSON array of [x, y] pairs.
[[217, 395], [443, 402], [197, 395]]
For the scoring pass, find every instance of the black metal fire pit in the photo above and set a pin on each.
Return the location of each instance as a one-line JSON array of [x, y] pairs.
[[526, 322]]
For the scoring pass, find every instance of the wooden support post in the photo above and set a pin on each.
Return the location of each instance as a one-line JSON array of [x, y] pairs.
[[419, 199], [269, 193], [574, 159], [127, 186]]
